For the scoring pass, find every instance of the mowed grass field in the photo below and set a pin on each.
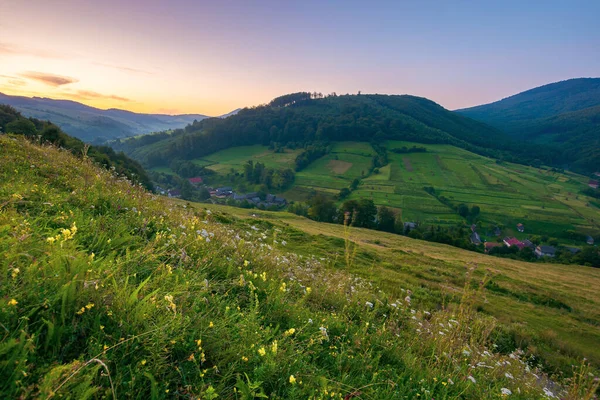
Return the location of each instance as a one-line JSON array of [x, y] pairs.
[[552, 310]]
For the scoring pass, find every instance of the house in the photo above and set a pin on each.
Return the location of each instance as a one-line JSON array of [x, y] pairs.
[[593, 183], [511, 241], [545, 251], [409, 226], [224, 191], [174, 193], [520, 227], [573, 250], [528, 243], [589, 240], [473, 228], [195, 181], [475, 239], [491, 245], [279, 200]]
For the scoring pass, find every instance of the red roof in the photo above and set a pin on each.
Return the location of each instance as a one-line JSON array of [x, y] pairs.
[[514, 242], [195, 180], [489, 245]]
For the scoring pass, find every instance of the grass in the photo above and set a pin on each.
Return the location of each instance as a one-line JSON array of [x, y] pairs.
[[108, 291]]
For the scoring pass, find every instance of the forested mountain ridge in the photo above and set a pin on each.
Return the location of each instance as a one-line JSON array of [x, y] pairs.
[[516, 113], [93, 124], [564, 115], [302, 118]]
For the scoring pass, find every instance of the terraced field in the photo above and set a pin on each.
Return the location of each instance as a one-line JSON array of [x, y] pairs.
[[547, 202]]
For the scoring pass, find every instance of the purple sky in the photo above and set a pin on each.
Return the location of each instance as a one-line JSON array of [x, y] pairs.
[[211, 57]]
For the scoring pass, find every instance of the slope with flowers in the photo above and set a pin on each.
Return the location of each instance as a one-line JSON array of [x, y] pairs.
[[110, 292]]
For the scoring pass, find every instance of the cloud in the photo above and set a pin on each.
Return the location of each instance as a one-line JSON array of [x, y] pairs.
[[88, 94], [125, 69], [12, 49], [49, 79], [17, 82]]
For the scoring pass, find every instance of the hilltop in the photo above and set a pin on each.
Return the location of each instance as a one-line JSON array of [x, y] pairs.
[[110, 290], [302, 118], [92, 124], [565, 114]]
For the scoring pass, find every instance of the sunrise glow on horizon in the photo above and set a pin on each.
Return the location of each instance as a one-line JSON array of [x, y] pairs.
[[187, 56]]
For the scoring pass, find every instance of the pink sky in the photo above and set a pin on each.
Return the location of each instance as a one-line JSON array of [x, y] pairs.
[[188, 56]]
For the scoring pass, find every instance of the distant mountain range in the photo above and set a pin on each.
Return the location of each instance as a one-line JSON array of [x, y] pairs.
[[92, 124], [564, 114]]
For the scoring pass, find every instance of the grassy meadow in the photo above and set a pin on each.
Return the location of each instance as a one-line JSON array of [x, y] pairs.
[[112, 292]]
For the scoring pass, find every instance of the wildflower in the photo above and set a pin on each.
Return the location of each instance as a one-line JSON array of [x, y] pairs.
[[505, 392], [262, 351], [292, 379], [13, 302], [324, 332], [450, 381], [548, 393], [15, 272], [199, 343], [509, 375], [308, 290], [407, 299], [310, 321], [246, 263], [51, 240], [274, 347], [369, 304], [244, 358], [290, 332], [89, 306], [471, 379], [211, 325], [143, 362]]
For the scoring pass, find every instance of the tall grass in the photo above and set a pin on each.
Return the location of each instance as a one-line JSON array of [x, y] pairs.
[[111, 292]]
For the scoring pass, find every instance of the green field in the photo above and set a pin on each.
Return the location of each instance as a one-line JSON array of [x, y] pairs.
[[546, 202]]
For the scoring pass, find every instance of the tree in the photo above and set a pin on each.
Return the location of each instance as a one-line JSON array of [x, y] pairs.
[[21, 126], [463, 210], [52, 134], [475, 210], [321, 209], [385, 219]]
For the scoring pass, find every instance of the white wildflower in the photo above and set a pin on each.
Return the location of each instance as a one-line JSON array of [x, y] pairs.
[[505, 391], [369, 304], [509, 375], [407, 299], [471, 379]]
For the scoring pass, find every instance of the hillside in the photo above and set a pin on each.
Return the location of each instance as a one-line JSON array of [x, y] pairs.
[[109, 290], [94, 125], [13, 122], [563, 114], [299, 119]]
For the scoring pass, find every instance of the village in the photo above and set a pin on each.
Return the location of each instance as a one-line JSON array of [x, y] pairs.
[[539, 250]]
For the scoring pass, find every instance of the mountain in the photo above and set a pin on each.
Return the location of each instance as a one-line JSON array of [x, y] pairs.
[[564, 114], [229, 114], [299, 119], [92, 124]]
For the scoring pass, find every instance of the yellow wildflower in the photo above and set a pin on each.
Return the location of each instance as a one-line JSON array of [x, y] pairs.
[[15, 272], [143, 362], [290, 332], [89, 306], [262, 351], [211, 325], [292, 379], [199, 343], [308, 290], [244, 358], [50, 240], [246, 263], [13, 302], [274, 347]]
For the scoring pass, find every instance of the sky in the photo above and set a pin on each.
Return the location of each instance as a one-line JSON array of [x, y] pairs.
[[211, 57]]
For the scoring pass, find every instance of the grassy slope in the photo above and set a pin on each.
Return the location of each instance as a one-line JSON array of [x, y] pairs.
[[129, 298], [554, 309]]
